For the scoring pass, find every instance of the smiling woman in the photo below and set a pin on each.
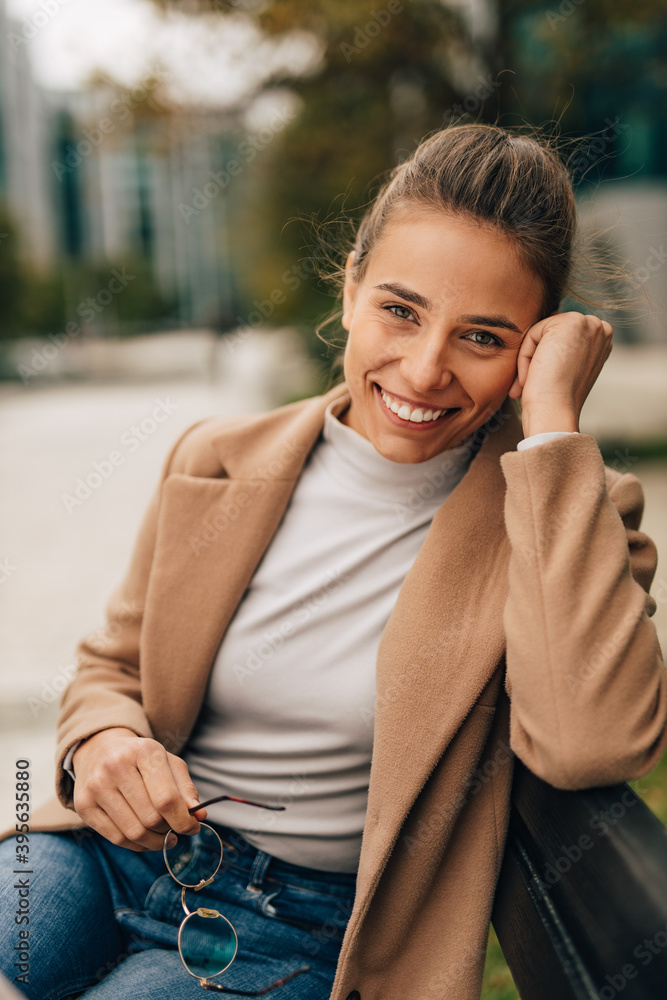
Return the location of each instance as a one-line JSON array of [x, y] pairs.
[[460, 563], [479, 224], [452, 350]]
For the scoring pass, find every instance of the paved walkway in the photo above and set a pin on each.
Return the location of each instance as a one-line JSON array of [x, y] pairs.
[[62, 559]]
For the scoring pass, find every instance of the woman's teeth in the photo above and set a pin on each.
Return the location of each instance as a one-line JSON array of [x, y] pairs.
[[416, 414]]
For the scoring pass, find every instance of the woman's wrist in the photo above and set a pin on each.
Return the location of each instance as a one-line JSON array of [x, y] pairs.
[[548, 419], [116, 730]]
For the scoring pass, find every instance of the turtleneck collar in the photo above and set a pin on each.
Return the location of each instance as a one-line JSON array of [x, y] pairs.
[[355, 463]]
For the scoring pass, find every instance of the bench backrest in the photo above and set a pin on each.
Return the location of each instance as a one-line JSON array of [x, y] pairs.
[[581, 905]]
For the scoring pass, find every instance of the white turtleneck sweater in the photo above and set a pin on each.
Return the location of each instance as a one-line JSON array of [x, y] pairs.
[[287, 717]]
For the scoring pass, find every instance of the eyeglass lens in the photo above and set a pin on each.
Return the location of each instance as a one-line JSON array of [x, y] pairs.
[[192, 861], [208, 944]]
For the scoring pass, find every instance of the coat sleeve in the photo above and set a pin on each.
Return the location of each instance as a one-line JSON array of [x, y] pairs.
[[105, 691], [585, 673]]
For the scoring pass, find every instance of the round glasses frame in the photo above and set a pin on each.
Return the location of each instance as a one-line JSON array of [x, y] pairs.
[[211, 914]]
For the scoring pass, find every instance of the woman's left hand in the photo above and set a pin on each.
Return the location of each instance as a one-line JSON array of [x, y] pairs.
[[558, 362]]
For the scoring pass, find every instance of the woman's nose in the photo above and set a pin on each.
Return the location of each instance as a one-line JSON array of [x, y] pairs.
[[426, 370]]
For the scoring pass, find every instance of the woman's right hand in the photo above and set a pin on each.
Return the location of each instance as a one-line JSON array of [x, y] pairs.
[[131, 790]]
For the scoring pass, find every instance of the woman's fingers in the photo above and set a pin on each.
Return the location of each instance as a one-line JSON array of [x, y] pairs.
[[528, 347], [526, 351], [134, 792], [154, 766], [106, 810], [184, 781], [562, 355], [118, 823]]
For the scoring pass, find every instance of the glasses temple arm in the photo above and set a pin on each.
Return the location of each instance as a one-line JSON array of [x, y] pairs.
[[208, 985], [232, 798]]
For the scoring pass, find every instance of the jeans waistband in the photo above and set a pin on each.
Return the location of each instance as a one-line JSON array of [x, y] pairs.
[[241, 853]]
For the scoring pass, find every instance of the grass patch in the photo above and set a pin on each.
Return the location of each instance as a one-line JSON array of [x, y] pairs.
[[652, 789], [498, 983]]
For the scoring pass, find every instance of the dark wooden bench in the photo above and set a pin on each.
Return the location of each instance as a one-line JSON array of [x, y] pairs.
[[581, 905]]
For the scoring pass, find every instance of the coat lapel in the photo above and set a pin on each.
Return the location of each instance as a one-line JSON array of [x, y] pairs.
[[211, 535]]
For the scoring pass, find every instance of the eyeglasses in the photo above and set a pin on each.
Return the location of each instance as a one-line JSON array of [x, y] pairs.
[[207, 941]]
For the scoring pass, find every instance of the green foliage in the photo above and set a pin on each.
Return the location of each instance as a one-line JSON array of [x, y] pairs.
[[653, 449], [11, 276], [38, 304], [138, 302], [32, 301], [43, 305]]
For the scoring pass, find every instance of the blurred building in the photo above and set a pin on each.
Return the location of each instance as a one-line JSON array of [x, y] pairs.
[[25, 143], [132, 180], [103, 175]]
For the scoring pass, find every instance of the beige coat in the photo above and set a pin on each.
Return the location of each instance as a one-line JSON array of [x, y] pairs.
[[532, 582]]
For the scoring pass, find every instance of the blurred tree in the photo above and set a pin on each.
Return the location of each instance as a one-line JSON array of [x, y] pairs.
[[32, 302], [11, 276], [141, 301], [43, 305], [110, 306]]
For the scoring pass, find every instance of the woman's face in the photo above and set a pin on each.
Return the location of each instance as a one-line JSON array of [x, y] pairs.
[[436, 323]]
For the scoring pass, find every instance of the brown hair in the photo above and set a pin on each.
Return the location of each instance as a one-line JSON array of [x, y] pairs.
[[514, 182]]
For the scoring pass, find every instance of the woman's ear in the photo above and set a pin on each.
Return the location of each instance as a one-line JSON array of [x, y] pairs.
[[349, 291]]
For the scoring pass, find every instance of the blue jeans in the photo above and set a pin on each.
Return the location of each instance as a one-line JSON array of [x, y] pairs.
[[103, 920]]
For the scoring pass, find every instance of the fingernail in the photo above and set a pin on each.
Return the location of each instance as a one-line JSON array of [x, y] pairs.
[[172, 840]]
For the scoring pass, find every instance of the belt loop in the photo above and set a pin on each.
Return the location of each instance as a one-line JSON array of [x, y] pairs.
[[259, 866]]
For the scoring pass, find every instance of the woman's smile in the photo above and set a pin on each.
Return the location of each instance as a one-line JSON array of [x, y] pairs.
[[414, 417]]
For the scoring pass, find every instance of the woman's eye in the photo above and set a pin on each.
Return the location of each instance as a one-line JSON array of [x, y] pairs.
[[492, 340], [404, 309]]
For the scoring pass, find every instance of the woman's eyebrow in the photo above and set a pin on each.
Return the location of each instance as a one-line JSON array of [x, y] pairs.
[[500, 322], [405, 293]]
